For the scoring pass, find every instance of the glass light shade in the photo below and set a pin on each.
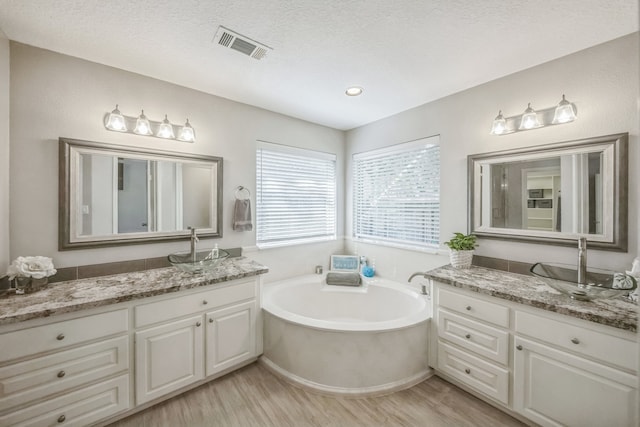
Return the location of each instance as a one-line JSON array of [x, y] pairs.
[[115, 121], [499, 125], [187, 133], [166, 129], [564, 112], [143, 127], [529, 119]]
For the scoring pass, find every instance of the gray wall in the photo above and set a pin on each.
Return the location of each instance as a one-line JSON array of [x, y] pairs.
[[602, 81], [55, 95], [4, 154]]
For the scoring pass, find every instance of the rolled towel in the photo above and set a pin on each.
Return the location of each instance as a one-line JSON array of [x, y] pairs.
[[242, 215], [343, 278]]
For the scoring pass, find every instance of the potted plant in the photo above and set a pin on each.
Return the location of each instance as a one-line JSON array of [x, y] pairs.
[[461, 248], [31, 273]]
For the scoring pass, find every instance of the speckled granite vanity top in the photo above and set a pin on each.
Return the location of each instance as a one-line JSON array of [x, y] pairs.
[[75, 295], [619, 313]]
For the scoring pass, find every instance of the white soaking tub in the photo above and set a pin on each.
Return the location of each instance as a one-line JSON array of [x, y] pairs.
[[366, 340]]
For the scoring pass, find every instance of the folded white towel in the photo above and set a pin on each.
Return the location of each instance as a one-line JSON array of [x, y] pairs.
[[242, 215]]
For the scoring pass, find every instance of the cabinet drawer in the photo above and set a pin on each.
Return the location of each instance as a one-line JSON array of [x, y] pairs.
[[587, 342], [483, 376], [54, 336], [482, 339], [476, 308], [37, 378], [161, 311], [80, 408]]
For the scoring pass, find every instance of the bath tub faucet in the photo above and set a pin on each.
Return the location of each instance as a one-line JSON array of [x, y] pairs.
[[417, 274]]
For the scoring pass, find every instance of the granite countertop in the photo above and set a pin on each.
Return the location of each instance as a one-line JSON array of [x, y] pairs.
[[617, 312], [75, 295]]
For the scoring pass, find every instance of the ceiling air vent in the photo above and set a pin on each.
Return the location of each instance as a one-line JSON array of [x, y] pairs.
[[227, 38]]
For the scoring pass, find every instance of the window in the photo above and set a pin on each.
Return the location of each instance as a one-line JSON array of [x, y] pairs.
[[397, 194], [295, 195]]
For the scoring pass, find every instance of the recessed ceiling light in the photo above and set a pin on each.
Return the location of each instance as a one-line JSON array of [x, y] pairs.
[[353, 91]]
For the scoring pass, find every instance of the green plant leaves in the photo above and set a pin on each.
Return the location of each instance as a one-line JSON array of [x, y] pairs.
[[461, 242]]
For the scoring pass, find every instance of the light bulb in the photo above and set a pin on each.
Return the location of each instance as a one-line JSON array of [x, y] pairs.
[[115, 121], [166, 130], [187, 133], [499, 124], [564, 112], [529, 119], [143, 127]]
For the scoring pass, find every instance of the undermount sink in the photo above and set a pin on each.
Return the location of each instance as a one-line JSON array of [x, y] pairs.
[[599, 283], [197, 262]]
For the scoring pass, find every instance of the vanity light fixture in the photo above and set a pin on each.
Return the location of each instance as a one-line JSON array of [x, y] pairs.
[[115, 121], [564, 112], [141, 125], [187, 133]]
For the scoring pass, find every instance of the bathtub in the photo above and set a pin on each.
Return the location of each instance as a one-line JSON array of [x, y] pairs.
[[357, 341]]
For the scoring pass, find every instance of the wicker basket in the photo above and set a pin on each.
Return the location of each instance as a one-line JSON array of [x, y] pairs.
[[460, 259]]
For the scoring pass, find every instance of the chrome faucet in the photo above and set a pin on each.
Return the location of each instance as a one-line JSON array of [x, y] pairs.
[[582, 261], [194, 240], [417, 274]]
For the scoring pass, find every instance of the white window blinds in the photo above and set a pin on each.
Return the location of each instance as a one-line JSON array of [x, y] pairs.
[[397, 194], [295, 195]]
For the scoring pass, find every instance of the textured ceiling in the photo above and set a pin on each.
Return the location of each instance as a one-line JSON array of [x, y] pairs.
[[404, 53]]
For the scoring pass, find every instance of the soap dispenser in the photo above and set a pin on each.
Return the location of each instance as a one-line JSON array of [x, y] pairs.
[[215, 252]]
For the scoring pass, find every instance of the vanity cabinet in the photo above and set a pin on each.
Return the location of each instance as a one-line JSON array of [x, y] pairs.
[[180, 341], [473, 342], [567, 375], [74, 371], [551, 369]]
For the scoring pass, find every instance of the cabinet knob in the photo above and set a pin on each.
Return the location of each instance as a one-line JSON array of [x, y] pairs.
[[519, 347], [575, 340], [61, 374], [468, 371], [199, 323], [467, 336], [60, 337], [61, 418], [205, 302], [468, 308], [211, 320]]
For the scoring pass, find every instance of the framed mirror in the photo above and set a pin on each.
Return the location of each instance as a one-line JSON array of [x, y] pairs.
[[114, 195], [552, 193]]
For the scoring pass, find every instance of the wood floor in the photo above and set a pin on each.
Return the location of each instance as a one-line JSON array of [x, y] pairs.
[[253, 396]]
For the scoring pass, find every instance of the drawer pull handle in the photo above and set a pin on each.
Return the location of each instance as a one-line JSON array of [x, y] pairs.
[[61, 374], [60, 337], [468, 371], [199, 323], [205, 302], [61, 418], [211, 320], [519, 347], [575, 340], [467, 336], [468, 308]]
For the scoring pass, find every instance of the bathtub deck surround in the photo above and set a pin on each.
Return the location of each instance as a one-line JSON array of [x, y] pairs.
[[362, 341], [92, 351], [519, 344]]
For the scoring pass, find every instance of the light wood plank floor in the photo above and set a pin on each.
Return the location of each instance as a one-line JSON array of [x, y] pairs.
[[252, 396]]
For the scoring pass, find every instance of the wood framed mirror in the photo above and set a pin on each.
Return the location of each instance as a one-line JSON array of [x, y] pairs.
[[113, 195]]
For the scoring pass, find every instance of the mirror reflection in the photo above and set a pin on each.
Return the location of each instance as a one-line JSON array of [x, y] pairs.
[[115, 195], [553, 193]]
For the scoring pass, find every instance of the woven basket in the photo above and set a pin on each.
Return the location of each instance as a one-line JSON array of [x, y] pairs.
[[460, 259]]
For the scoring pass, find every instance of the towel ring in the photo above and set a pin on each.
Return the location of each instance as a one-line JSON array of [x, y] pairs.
[[240, 191]]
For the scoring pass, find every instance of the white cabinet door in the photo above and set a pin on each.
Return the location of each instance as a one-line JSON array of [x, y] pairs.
[[231, 336], [555, 388], [168, 357]]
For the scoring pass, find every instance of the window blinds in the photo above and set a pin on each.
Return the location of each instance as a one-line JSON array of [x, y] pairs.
[[295, 195], [397, 194]]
